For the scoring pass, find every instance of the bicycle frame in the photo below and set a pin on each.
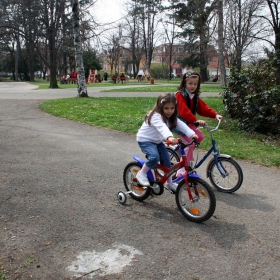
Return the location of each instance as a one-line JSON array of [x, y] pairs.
[[157, 178], [214, 149]]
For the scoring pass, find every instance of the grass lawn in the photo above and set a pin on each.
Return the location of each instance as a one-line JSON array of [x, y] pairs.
[[127, 114], [134, 86]]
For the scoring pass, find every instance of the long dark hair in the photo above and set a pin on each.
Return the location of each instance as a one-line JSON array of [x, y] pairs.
[[158, 108], [187, 75]]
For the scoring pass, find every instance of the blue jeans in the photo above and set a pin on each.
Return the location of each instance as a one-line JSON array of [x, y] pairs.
[[155, 153]]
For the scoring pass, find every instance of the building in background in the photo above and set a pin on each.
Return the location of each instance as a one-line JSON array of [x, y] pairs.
[[121, 60]]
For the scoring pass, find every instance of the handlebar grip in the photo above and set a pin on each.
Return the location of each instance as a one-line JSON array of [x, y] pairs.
[[196, 124], [168, 142], [193, 141]]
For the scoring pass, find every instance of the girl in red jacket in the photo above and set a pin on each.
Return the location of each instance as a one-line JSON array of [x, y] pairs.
[[189, 104]]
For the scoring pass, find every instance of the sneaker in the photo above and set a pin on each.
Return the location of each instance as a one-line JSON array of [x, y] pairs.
[[172, 186], [181, 172], [142, 179]]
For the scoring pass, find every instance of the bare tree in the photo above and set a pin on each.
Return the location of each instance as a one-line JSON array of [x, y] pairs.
[[147, 11], [134, 38], [19, 22], [112, 48], [171, 29], [274, 21], [82, 88], [30, 15], [221, 48], [243, 28], [52, 12]]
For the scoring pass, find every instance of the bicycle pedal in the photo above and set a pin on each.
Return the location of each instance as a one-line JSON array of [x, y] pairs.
[[142, 187], [172, 192]]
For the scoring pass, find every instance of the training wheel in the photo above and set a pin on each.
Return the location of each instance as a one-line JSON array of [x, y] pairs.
[[121, 197]]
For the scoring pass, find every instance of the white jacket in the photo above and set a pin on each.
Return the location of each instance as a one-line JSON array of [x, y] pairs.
[[158, 131]]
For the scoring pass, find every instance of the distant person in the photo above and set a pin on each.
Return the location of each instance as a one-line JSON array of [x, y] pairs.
[[105, 76], [215, 79], [148, 76], [73, 75], [122, 77], [140, 74], [115, 77], [63, 80], [67, 78]]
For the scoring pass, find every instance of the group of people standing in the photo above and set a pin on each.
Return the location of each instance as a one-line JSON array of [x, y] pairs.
[[173, 113]]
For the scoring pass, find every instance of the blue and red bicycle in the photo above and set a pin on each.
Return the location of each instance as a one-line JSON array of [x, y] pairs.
[[194, 197], [224, 173]]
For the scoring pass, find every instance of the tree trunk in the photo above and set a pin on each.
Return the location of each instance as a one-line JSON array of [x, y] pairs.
[[277, 52], [17, 58], [223, 77], [82, 87], [203, 59], [275, 22], [52, 54], [30, 62]]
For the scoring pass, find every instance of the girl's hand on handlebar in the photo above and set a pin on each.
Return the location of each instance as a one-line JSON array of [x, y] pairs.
[[195, 136], [171, 141], [219, 117], [201, 122]]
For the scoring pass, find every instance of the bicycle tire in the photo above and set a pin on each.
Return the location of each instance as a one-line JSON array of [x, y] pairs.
[[233, 179], [137, 192], [203, 205]]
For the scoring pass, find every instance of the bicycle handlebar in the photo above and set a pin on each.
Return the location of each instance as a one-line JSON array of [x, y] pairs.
[[180, 142], [214, 129]]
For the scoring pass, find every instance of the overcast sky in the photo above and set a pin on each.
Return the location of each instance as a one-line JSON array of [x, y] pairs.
[[108, 10]]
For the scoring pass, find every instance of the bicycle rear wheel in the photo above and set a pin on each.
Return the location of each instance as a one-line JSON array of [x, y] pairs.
[[231, 178], [174, 159], [197, 202], [138, 192]]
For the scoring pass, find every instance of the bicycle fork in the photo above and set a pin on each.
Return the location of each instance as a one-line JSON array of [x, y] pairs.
[[191, 197]]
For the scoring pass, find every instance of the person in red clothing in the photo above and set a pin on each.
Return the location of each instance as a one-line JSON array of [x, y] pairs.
[[75, 74], [189, 104]]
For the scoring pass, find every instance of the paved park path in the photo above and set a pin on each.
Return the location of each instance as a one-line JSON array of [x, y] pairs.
[[60, 219]]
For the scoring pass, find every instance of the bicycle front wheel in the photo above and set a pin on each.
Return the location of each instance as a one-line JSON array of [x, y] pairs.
[[230, 177], [137, 192], [196, 201]]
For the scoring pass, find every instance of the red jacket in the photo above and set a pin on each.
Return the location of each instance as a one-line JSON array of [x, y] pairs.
[[185, 113]]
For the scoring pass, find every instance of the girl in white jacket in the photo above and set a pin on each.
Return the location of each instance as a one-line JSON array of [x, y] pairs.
[[156, 128]]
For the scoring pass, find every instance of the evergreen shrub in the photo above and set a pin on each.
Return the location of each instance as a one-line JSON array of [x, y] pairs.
[[253, 99], [159, 71]]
